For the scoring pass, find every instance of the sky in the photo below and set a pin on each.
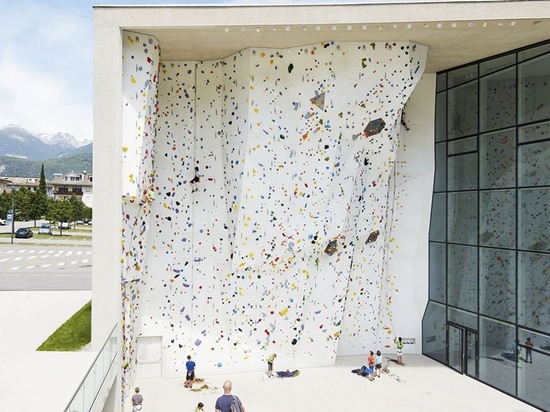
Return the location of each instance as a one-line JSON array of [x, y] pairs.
[[46, 61]]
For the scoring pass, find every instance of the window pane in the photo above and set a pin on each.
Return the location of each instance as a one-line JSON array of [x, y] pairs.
[[497, 289], [462, 146], [463, 318], [534, 164], [462, 277], [462, 75], [441, 82], [498, 100], [534, 215], [532, 387], [440, 179], [534, 77], [462, 111], [438, 221], [534, 290], [441, 117], [497, 159], [462, 218], [497, 366], [533, 51], [493, 65], [534, 132], [434, 336], [497, 222], [462, 172], [438, 270]]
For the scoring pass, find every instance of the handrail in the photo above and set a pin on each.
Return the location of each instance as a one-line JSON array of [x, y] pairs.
[[82, 393]]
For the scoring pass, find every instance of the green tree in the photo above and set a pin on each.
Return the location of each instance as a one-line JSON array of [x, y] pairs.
[[38, 206], [78, 207], [5, 204], [60, 211], [23, 204], [42, 183]]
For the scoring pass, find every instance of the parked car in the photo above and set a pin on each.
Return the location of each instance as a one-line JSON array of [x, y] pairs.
[[24, 232], [64, 225], [45, 230]]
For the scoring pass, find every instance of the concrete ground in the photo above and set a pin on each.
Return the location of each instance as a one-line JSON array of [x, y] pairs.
[[422, 385], [39, 381], [31, 380]]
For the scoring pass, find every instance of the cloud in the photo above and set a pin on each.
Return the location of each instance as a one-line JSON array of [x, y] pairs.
[[46, 68]]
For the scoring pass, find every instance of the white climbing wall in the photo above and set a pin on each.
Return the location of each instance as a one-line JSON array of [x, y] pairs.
[[292, 149]]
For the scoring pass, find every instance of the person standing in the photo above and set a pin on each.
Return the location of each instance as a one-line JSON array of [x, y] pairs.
[[224, 402], [190, 375], [370, 363], [378, 363], [137, 401], [528, 350], [399, 345], [270, 361]]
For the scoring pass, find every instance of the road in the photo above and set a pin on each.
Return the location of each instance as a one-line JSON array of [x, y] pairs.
[[39, 267]]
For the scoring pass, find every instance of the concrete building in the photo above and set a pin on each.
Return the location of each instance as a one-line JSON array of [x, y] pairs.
[[317, 180]]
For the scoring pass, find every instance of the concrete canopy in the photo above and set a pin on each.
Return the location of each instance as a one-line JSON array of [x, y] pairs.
[[455, 33]]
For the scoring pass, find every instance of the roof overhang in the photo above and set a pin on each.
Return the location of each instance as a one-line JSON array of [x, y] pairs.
[[455, 32]]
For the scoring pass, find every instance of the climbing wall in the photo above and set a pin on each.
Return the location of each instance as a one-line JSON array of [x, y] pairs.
[[272, 189]]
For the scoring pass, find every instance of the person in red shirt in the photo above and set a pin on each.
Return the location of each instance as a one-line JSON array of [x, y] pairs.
[[528, 352]]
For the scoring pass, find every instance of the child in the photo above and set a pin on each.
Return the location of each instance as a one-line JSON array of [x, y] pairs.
[[199, 407]]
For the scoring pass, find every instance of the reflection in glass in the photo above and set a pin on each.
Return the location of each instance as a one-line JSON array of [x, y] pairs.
[[441, 117], [534, 290], [534, 132], [462, 277], [497, 366], [440, 179], [455, 348], [497, 159], [462, 318], [459, 146], [434, 337], [534, 215], [462, 111], [497, 288], [497, 223], [462, 75], [494, 65], [534, 164], [498, 100], [462, 218], [438, 225], [462, 172], [534, 76], [438, 272]]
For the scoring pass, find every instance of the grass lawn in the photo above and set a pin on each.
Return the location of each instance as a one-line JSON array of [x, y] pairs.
[[74, 334]]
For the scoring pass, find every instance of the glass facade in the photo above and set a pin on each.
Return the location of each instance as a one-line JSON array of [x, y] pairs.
[[488, 314]]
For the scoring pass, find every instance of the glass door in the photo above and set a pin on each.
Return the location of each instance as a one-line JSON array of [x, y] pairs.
[[462, 349], [471, 353], [455, 347]]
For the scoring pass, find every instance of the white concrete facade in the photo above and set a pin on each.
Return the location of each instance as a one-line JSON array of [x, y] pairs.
[[234, 267]]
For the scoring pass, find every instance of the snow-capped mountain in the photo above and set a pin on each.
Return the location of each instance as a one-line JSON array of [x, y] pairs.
[[63, 140], [16, 141]]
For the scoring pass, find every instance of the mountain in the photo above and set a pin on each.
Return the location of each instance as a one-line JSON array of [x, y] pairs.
[[18, 142], [23, 153]]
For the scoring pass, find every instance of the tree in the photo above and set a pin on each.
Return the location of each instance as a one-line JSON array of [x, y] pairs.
[[78, 207], [42, 183], [23, 203], [5, 204], [38, 205], [60, 211]]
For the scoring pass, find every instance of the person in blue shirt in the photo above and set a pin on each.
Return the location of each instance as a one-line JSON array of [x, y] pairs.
[[190, 376]]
